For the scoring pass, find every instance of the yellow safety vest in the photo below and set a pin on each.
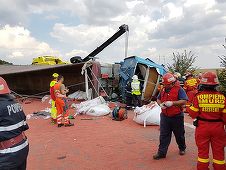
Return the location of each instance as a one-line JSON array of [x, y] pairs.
[[52, 83], [135, 85]]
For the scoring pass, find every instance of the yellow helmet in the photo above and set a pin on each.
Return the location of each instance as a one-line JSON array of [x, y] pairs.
[[55, 75]]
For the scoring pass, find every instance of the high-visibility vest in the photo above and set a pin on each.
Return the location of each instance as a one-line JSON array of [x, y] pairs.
[[52, 83], [135, 85], [172, 95], [51, 89]]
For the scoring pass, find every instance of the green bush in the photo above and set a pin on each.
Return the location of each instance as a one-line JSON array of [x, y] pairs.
[[222, 80], [4, 62]]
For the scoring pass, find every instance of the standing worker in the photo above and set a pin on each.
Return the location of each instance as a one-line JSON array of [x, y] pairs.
[[180, 80], [52, 95], [190, 87], [14, 146], [209, 110], [61, 103], [171, 99], [136, 91]]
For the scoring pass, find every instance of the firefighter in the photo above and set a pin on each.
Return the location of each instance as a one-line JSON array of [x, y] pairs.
[[190, 87], [171, 99], [52, 96], [61, 103], [180, 81], [209, 110], [14, 145], [136, 91]]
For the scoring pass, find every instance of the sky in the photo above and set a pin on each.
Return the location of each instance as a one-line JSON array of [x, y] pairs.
[[157, 29]]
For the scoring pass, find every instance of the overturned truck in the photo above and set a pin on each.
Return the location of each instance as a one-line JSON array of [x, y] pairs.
[[148, 72]]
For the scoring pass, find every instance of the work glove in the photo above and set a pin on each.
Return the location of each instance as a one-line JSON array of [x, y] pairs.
[[162, 105], [168, 103]]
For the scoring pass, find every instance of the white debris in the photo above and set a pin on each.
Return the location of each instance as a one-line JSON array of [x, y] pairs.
[[99, 110], [46, 97], [79, 95], [148, 114], [85, 106]]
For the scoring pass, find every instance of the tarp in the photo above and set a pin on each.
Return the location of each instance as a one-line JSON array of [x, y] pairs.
[[128, 68]]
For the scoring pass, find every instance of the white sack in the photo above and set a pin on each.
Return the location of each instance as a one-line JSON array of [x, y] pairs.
[[99, 110], [148, 114], [78, 95], [84, 107]]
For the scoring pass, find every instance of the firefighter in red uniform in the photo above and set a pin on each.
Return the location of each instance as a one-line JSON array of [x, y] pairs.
[[14, 145], [209, 111], [171, 99], [190, 87]]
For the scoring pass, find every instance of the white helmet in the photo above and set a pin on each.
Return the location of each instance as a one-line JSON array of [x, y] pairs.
[[177, 75], [135, 77]]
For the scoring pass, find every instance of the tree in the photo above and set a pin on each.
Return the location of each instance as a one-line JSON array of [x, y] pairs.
[[222, 73], [4, 62], [183, 62], [223, 57], [222, 80]]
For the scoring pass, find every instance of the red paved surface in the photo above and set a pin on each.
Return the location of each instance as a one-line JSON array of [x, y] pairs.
[[101, 144]]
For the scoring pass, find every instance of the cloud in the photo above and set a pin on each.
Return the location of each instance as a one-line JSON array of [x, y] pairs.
[[95, 12], [51, 17], [101, 11], [12, 12], [75, 52], [199, 28], [20, 46], [84, 39], [157, 28], [19, 12]]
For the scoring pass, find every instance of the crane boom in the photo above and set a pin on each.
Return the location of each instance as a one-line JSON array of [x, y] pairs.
[[122, 29]]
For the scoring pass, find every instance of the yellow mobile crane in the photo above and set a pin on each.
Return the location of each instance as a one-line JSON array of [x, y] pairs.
[[47, 60]]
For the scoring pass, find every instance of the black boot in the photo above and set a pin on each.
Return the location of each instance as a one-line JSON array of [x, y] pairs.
[[158, 156], [182, 152], [59, 125], [70, 124]]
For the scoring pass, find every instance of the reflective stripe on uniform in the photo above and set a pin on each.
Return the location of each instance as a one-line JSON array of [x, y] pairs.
[[14, 149], [194, 109], [12, 127], [203, 160], [219, 162], [212, 105]]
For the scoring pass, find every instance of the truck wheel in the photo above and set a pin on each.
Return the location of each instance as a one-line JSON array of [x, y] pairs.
[[76, 59]]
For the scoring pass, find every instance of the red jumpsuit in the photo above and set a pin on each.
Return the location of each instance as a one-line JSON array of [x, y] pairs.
[[210, 108], [190, 87]]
